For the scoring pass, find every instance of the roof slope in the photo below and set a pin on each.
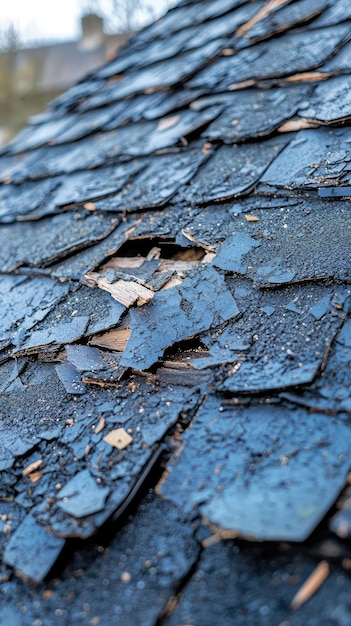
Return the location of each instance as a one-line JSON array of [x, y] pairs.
[[175, 286]]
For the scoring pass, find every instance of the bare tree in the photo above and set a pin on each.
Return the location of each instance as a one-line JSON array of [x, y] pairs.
[[10, 39], [124, 15]]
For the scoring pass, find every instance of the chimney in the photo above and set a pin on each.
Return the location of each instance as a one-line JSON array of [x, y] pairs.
[[93, 35]]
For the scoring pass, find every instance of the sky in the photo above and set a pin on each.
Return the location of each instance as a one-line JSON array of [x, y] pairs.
[[45, 20]]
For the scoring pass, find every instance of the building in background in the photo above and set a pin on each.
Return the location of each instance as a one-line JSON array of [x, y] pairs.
[[31, 77]]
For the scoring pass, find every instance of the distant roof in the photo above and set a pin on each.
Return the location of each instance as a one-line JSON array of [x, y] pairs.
[[58, 65], [175, 259]]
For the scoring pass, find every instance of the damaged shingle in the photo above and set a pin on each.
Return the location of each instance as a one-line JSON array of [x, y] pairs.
[[172, 316], [245, 115], [236, 170], [282, 17], [330, 393], [47, 240], [272, 483], [25, 302], [156, 184], [330, 102], [314, 158], [288, 54], [283, 349], [32, 550], [85, 311]]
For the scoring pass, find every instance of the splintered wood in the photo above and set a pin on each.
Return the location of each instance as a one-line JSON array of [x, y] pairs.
[[125, 292], [118, 438], [112, 340], [206, 246]]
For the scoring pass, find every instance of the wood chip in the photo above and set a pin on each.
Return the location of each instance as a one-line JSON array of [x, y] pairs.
[[35, 476], [252, 218], [112, 340], [100, 426], [293, 125], [32, 467], [245, 83], [172, 282], [312, 584], [126, 292], [168, 122], [169, 265], [118, 438], [206, 148]]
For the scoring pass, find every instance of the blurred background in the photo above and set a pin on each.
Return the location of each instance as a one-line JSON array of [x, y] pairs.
[[45, 47]]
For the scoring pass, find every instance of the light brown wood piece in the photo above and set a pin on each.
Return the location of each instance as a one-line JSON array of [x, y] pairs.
[[32, 467], [126, 292], [112, 340], [293, 125], [118, 438], [311, 585], [167, 122], [100, 426], [260, 15], [252, 218]]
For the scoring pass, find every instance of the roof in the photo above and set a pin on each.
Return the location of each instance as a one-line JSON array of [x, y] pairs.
[[175, 330]]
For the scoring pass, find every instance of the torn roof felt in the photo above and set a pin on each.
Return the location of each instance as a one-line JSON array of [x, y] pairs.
[[175, 280]]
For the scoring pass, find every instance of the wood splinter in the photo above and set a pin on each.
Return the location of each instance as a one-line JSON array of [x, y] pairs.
[[311, 585]]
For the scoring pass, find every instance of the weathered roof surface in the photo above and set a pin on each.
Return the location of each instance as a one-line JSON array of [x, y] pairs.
[[176, 292]]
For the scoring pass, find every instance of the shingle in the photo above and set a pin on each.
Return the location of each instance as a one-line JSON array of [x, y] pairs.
[[312, 159], [33, 200], [282, 18], [45, 241], [156, 184], [288, 54], [245, 115], [171, 316], [330, 102], [167, 73], [236, 169], [32, 550], [264, 487]]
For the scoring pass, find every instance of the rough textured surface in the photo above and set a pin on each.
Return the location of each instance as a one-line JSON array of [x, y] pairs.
[[261, 469], [175, 328]]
